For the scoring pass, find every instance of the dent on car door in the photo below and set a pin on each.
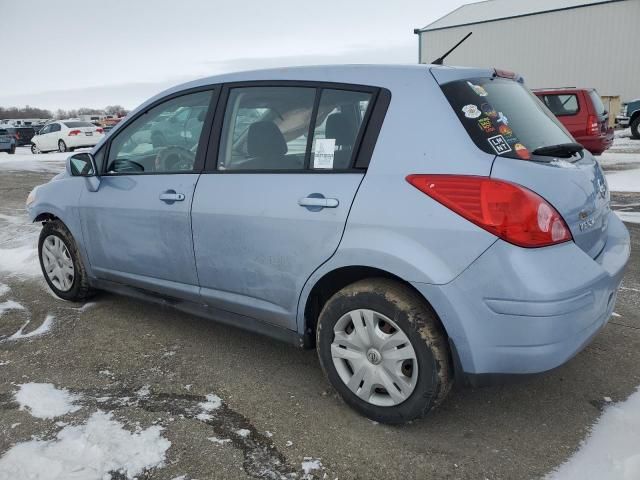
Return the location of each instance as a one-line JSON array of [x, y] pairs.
[[274, 206], [138, 225]]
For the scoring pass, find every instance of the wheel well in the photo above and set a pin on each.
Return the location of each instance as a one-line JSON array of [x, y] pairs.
[[45, 217], [335, 281], [634, 115]]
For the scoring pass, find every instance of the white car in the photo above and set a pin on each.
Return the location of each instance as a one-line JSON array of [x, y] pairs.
[[66, 135]]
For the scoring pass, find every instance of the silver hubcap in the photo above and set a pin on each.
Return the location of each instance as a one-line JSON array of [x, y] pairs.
[[57, 262], [374, 358]]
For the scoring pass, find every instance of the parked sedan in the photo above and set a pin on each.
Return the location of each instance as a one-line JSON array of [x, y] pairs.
[[413, 223], [66, 135], [7, 142]]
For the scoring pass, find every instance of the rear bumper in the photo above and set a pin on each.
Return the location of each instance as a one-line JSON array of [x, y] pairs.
[[524, 311], [622, 121], [78, 141], [599, 144]]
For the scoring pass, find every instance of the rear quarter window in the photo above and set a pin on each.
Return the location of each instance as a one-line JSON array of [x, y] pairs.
[[598, 106]]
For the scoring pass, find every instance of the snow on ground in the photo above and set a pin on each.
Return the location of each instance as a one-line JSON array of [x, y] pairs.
[[24, 160], [612, 451], [87, 452], [44, 400], [625, 180], [9, 305], [4, 289], [18, 246], [44, 327]]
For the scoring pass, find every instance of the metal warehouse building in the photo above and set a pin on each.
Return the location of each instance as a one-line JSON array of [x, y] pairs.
[[551, 43]]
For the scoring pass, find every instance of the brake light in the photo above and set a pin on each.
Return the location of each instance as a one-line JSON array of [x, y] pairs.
[[593, 128], [507, 210], [73, 133], [100, 130]]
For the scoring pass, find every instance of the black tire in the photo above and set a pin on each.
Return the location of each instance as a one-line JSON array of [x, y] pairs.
[[80, 288], [62, 147], [34, 149], [417, 321], [13, 150], [635, 128]]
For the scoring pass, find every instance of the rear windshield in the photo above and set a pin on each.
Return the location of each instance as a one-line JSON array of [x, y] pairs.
[[78, 124], [597, 103], [503, 117]]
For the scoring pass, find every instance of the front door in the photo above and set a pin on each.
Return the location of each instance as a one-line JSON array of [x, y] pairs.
[[273, 207], [137, 225]]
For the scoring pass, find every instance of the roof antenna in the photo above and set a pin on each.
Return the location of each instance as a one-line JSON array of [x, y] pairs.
[[439, 61]]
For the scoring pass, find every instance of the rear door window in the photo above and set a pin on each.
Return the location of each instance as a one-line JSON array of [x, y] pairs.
[[561, 104], [503, 117]]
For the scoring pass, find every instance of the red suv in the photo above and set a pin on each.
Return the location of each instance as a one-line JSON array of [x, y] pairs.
[[582, 112]]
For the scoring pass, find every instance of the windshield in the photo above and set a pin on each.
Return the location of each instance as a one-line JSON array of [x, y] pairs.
[[503, 117]]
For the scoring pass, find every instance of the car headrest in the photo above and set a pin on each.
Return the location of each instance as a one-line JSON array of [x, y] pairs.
[[264, 139], [339, 127]]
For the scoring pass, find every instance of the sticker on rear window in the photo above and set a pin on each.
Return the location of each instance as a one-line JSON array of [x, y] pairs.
[[471, 111], [503, 118], [488, 110], [486, 125], [478, 89], [499, 144], [522, 151], [504, 130]]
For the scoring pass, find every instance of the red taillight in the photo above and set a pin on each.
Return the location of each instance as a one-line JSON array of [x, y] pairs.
[[509, 211], [73, 133], [593, 127], [100, 130]]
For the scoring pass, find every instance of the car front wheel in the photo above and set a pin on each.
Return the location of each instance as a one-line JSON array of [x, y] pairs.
[[35, 150], [61, 263], [384, 350]]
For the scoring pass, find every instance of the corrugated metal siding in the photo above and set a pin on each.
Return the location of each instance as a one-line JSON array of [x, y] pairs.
[[496, 9], [594, 46]]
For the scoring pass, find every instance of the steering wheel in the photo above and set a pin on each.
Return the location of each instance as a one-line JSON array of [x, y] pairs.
[[174, 158]]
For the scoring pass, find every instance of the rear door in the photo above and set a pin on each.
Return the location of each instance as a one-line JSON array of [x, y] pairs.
[[274, 202], [507, 120]]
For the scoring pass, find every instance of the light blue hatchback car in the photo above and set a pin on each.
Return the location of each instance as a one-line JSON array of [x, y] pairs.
[[417, 224]]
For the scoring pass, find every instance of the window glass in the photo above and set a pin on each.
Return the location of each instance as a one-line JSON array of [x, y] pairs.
[[266, 128], [339, 119], [597, 103], [55, 127], [164, 139], [503, 117], [561, 104], [78, 124]]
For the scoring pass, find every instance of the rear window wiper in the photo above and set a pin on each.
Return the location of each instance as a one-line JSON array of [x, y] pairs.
[[560, 150]]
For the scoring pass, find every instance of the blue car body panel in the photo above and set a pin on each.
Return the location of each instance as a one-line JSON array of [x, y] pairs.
[[242, 247]]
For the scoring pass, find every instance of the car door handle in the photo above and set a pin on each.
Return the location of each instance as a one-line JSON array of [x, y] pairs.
[[318, 202], [171, 196]]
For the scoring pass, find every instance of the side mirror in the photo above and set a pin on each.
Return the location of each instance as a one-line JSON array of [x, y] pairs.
[[82, 165]]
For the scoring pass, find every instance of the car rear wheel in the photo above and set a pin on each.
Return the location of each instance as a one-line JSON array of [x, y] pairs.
[[635, 128], [384, 351], [61, 263], [62, 147], [13, 150]]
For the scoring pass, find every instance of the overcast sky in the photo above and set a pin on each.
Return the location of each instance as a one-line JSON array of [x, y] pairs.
[[79, 53]]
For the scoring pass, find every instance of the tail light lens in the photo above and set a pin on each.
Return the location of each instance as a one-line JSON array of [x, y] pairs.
[[100, 130], [507, 210], [73, 133], [593, 128]]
